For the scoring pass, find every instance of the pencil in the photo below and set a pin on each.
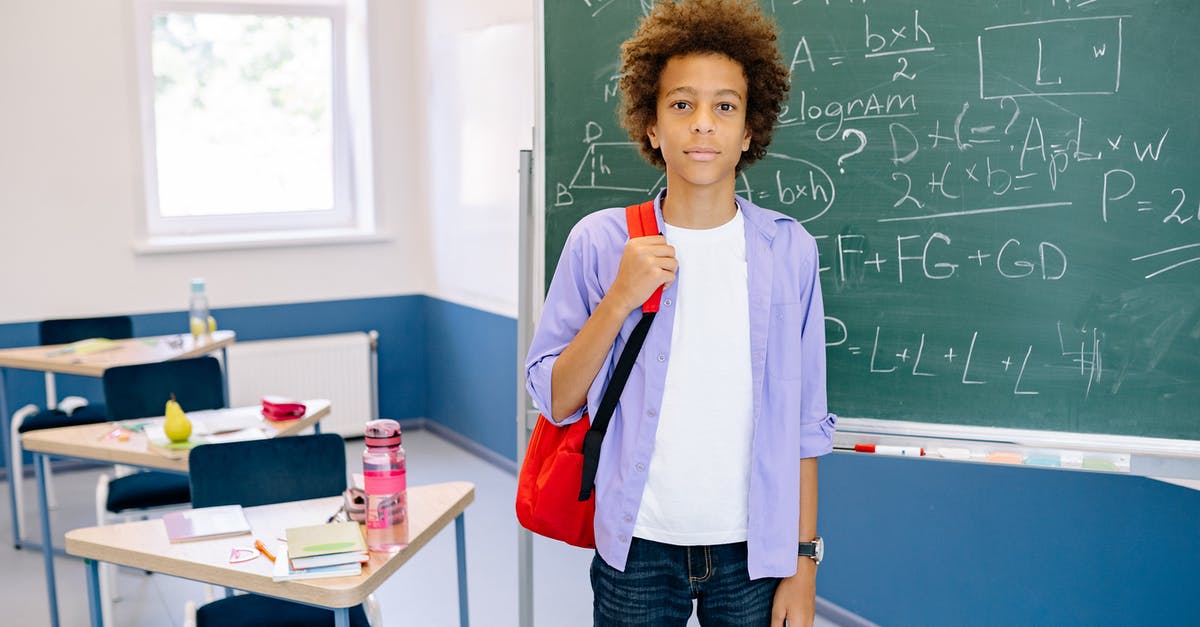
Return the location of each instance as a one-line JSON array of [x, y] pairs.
[[262, 548]]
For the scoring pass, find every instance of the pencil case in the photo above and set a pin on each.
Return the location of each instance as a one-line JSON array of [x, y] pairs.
[[280, 408]]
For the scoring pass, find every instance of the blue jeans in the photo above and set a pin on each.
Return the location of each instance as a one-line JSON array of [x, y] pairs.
[[660, 581]]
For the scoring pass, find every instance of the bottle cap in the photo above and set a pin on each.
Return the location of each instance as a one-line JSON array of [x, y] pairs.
[[197, 285], [383, 432]]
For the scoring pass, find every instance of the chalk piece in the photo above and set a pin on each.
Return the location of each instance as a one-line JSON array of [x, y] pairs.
[[1049, 461], [1098, 463], [1004, 457], [954, 453]]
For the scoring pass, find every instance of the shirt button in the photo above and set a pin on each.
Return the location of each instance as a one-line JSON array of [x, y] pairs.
[[628, 518], [667, 302], [640, 467], [662, 357], [623, 538], [651, 413]]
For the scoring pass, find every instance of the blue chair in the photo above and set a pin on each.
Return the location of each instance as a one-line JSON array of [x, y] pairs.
[[233, 474], [141, 391], [67, 412]]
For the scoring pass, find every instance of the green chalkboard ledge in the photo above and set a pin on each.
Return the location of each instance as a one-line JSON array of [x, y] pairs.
[[1175, 461]]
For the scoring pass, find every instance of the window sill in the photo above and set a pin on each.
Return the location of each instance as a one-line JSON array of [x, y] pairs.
[[243, 241]]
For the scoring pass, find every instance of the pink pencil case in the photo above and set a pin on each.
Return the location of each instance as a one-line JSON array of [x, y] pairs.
[[280, 408]]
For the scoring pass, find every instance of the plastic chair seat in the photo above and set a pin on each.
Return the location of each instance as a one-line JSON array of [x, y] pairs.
[[54, 418], [143, 490], [252, 610]]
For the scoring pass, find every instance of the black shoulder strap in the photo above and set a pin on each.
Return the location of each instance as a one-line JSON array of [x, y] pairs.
[[641, 221]]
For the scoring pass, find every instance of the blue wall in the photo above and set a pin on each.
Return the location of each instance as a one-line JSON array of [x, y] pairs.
[[400, 320], [925, 542], [911, 542], [472, 367]]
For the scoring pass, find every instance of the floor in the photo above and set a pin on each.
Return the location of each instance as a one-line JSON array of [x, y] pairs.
[[422, 593]]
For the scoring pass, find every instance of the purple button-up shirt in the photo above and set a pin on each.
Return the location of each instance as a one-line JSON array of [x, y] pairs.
[[787, 356]]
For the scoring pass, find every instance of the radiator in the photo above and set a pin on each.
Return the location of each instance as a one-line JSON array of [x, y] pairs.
[[340, 368]]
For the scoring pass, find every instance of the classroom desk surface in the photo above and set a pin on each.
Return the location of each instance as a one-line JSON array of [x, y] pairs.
[[138, 350], [144, 545], [88, 441]]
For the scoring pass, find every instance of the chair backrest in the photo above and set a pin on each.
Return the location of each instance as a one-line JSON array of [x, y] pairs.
[[70, 330], [143, 389], [259, 472]]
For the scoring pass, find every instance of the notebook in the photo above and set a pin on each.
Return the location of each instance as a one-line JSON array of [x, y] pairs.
[[205, 522], [338, 537], [284, 572], [330, 559]]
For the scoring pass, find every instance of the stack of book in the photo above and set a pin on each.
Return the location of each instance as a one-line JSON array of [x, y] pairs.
[[330, 550]]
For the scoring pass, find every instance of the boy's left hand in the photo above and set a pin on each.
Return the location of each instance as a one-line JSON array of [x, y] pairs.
[[795, 597]]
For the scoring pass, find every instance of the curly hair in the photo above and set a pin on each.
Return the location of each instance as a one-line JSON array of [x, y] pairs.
[[734, 28]]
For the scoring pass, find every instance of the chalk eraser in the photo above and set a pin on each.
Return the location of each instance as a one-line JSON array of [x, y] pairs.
[[1072, 459], [954, 453]]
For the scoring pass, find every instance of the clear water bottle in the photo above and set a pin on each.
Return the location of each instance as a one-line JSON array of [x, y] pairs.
[[386, 487], [199, 321]]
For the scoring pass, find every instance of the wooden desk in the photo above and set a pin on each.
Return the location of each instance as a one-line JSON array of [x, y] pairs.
[[144, 545], [52, 359], [87, 442], [138, 350]]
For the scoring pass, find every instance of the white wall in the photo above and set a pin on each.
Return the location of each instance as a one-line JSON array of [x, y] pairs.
[[480, 81], [70, 167]]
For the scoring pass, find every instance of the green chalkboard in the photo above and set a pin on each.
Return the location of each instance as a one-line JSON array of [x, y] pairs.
[[1006, 197]]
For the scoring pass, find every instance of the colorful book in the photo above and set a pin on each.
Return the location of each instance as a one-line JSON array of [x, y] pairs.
[[338, 537], [330, 559], [205, 522], [284, 572]]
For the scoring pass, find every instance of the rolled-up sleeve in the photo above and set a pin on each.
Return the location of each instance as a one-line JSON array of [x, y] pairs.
[[569, 301], [816, 423]]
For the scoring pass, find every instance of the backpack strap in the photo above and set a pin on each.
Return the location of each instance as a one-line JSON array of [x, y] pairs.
[[641, 221]]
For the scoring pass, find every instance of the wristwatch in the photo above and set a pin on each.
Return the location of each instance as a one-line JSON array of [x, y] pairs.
[[814, 550]]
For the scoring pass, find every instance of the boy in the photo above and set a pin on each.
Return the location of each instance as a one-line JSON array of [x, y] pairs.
[[707, 480]]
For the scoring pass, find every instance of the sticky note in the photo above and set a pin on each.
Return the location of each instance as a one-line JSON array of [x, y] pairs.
[[1098, 463], [1049, 461], [1004, 457]]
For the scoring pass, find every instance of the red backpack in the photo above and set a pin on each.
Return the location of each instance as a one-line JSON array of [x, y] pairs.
[[554, 490]]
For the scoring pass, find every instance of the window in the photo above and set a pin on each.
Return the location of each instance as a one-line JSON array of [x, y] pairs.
[[255, 120]]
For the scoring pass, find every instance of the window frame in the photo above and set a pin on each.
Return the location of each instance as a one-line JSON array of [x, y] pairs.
[[352, 215]]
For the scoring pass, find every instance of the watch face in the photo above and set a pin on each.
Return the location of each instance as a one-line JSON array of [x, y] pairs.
[[814, 549]]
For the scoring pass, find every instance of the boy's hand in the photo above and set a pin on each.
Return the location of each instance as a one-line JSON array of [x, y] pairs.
[[647, 263], [795, 597]]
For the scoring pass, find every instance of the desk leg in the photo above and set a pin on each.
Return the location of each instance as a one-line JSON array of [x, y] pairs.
[[460, 538], [341, 617], [92, 569], [5, 420], [225, 378], [47, 541]]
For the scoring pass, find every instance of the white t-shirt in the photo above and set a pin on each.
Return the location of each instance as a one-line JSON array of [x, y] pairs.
[[697, 489]]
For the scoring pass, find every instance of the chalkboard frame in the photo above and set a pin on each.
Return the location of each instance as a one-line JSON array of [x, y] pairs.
[[1162, 458]]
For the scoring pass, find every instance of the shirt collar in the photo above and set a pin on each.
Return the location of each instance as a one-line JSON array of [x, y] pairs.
[[756, 217]]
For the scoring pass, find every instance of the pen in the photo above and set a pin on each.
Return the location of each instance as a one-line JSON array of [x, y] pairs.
[[880, 449], [335, 514], [261, 547]]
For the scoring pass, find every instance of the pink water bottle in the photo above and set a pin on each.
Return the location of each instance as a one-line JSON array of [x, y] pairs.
[[385, 485]]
